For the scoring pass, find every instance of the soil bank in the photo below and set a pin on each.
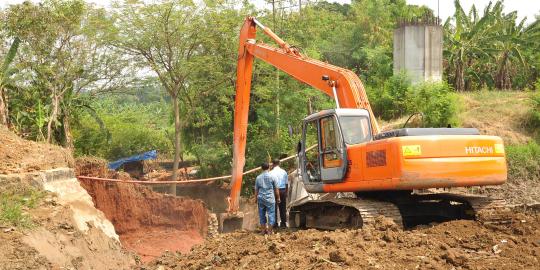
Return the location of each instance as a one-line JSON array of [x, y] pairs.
[[147, 222]]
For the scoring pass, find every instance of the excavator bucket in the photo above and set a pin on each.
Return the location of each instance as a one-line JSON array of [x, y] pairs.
[[230, 222]]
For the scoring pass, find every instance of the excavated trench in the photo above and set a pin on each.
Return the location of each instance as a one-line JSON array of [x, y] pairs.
[[147, 222]]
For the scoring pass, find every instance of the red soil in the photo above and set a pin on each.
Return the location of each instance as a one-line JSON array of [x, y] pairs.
[[147, 222], [151, 243]]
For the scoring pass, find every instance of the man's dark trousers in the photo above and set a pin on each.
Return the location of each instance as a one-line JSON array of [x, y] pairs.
[[282, 206]]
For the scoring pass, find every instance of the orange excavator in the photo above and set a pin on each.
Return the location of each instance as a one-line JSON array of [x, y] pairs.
[[358, 171]]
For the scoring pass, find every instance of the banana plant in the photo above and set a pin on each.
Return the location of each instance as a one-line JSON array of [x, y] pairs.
[[513, 38], [470, 38], [5, 81]]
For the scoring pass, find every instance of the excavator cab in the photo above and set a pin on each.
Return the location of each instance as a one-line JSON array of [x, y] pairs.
[[326, 134]]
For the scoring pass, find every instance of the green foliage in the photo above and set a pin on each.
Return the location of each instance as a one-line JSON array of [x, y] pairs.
[[537, 85], [398, 98], [60, 56], [14, 205], [393, 100], [534, 113], [437, 103], [187, 50], [523, 162], [493, 49], [127, 129]]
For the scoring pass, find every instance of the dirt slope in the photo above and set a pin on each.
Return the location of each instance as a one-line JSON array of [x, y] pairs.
[[148, 222], [18, 155], [56, 243], [497, 113], [451, 245], [54, 240]]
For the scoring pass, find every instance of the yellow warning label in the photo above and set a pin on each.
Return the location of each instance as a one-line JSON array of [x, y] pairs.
[[499, 148], [411, 150]]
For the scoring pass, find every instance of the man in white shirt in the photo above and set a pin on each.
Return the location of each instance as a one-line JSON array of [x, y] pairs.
[[282, 184]]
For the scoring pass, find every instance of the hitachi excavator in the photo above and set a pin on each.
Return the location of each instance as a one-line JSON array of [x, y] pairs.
[[358, 171]]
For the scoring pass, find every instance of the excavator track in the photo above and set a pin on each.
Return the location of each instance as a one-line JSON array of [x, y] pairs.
[[340, 213], [484, 209], [405, 210]]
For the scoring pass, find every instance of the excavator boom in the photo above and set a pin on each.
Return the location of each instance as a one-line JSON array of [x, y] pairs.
[[349, 154], [338, 83]]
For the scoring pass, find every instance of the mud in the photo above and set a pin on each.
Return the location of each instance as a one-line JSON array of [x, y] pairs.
[[451, 245], [19, 155], [148, 222]]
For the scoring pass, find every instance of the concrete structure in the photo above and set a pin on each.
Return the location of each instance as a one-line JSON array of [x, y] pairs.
[[418, 51]]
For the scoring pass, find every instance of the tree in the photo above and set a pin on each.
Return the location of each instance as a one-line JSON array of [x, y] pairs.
[[469, 38], [513, 38], [166, 37], [5, 81], [60, 58]]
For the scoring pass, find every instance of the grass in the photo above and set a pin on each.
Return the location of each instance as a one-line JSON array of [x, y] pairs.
[[14, 206], [523, 162], [533, 121], [506, 114], [499, 113]]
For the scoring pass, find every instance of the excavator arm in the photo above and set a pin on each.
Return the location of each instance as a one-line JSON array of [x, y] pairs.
[[341, 84]]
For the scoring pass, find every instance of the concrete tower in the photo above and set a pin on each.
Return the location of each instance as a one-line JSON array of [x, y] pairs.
[[418, 51]]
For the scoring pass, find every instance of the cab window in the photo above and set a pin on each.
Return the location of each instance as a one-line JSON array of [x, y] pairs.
[[312, 151], [331, 143], [355, 129]]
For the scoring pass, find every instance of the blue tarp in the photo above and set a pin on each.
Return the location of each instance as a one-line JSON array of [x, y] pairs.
[[144, 156]]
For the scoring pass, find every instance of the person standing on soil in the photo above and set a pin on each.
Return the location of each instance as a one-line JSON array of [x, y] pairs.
[[267, 193], [282, 182]]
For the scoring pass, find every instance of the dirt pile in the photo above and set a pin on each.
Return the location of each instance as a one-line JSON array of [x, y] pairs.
[[18, 155], [56, 243], [451, 245], [97, 167], [148, 222], [92, 166]]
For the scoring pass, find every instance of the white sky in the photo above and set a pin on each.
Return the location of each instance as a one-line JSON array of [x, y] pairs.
[[528, 8]]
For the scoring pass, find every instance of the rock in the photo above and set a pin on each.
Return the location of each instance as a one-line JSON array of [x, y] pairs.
[[336, 256], [389, 236], [444, 246], [216, 260], [273, 248], [454, 257], [496, 249], [383, 223], [328, 241]]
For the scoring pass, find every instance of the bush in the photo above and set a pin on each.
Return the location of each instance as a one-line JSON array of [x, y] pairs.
[[399, 98], [437, 103], [393, 100], [534, 113], [523, 162]]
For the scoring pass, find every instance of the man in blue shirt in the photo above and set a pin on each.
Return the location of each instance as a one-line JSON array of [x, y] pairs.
[[266, 191], [282, 183]]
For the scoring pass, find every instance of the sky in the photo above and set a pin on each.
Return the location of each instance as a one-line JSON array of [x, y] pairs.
[[525, 8]]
